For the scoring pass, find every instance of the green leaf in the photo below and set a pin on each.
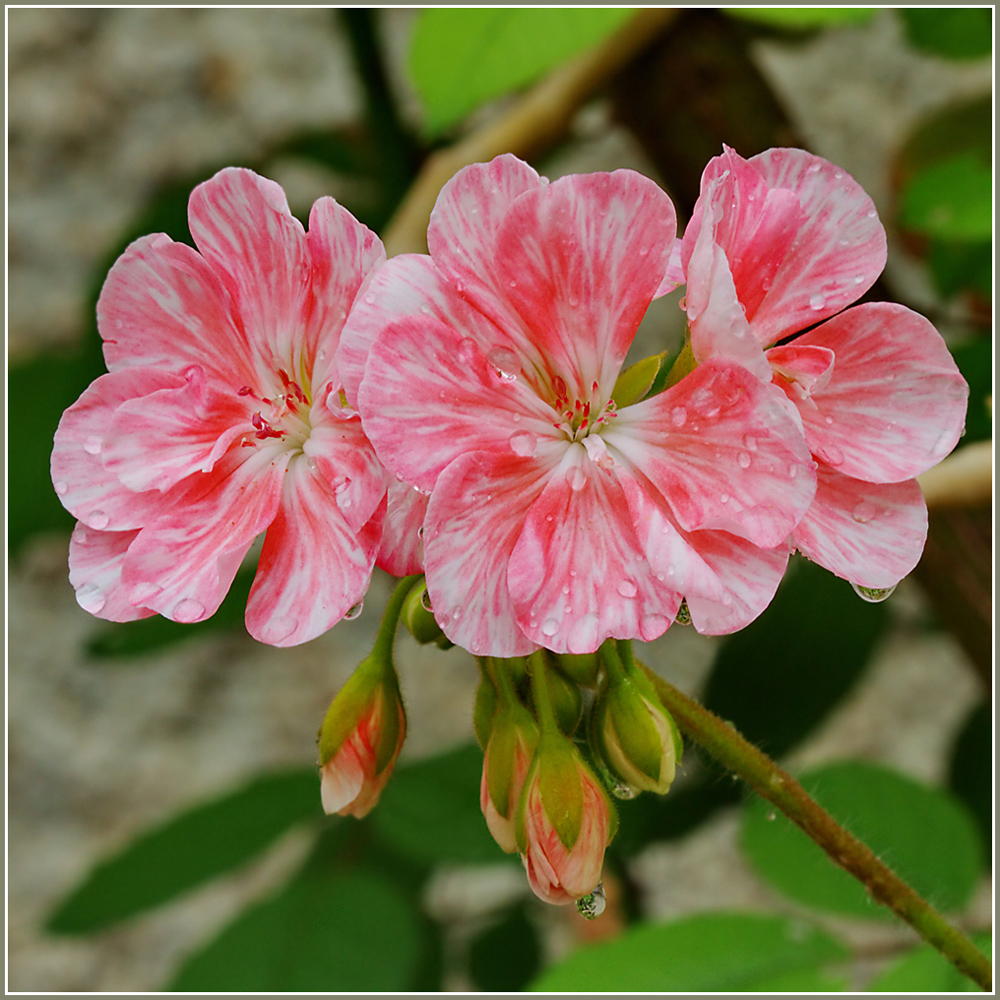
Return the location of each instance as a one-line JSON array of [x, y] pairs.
[[708, 953], [429, 811], [193, 847], [971, 771], [794, 18], [954, 32], [975, 361], [462, 57], [923, 834], [323, 933], [778, 677], [506, 955], [635, 382], [926, 970], [958, 267], [951, 200]]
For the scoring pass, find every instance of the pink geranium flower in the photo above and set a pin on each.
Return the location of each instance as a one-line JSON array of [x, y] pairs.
[[777, 244], [556, 517], [222, 418]]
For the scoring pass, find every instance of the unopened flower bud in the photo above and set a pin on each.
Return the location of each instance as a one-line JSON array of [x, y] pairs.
[[580, 667], [360, 739], [565, 821], [418, 616], [508, 757], [635, 736]]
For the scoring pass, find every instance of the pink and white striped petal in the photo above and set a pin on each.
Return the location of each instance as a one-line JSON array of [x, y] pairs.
[[722, 448], [576, 574], [430, 394], [840, 247], [674, 277], [871, 534], [314, 566], [95, 570], [243, 227], [182, 563], [344, 253], [408, 285], [156, 440], [895, 403], [402, 551], [162, 306], [473, 521], [85, 488], [580, 261]]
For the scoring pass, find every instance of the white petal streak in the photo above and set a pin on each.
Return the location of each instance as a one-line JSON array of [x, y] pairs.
[[95, 570]]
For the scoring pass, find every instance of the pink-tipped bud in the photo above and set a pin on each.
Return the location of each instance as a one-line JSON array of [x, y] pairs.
[[564, 823], [506, 762], [361, 738]]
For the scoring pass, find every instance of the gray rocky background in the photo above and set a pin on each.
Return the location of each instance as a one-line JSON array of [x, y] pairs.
[[104, 105]]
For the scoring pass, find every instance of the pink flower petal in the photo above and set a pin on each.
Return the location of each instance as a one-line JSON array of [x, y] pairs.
[[183, 562], [402, 551], [314, 566], [408, 285], [163, 306], [430, 394], [242, 226], [576, 574], [580, 261], [805, 368], [723, 450], [840, 247], [473, 521], [95, 570], [87, 490], [675, 276], [156, 440], [344, 253], [869, 533], [895, 403]]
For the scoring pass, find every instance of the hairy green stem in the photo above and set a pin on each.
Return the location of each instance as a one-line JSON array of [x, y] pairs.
[[741, 757], [390, 619], [540, 692]]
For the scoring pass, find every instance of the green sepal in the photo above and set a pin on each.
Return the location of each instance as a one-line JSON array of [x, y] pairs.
[[347, 707], [560, 786], [638, 677], [580, 667], [567, 701], [392, 723], [633, 383], [684, 364], [485, 709], [513, 723], [634, 726]]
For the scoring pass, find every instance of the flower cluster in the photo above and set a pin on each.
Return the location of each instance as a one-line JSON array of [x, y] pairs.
[[466, 415]]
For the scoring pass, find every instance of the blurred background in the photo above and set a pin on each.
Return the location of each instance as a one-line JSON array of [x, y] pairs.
[[163, 822]]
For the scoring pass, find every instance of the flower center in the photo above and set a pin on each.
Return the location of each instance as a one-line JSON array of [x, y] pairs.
[[284, 416], [580, 417]]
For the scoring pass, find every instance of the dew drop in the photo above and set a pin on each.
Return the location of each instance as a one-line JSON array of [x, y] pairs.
[[354, 610], [91, 598], [577, 478], [816, 302], [62, 488], [92, 445], [188, 610], [793, 471], [864, 512], [370, 299], [749, 442], [771, 816], [98, 519], [311, 463], [683, 303], [425, 602], [723, 498], [627, 588], [505, 362], [278, 629], [743, 458], [467, 350], [523, 443], [420, 532], [683, 616], [678, 416], [143, 591], [592, 905], [873, 595], [831, 454], [872, 213], [550, 626]]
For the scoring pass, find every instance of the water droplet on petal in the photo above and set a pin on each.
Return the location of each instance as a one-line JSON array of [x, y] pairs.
[[188, 610], [91, 598], [354, 610], [92, 445], [505, 362], [873, 595], [872, 213], [864, 512], [683, 302], [749, 442], [592, 905], [467, 350], [550, 626], [370, 299], [723, 498], [683, 616], [523, 443], [627, 588], [816, 302], [678, 416], [142, 592], [62, 488], [577, 478], [744, 459], [425, 602], [98, 519], [278, 629], [831, 454]]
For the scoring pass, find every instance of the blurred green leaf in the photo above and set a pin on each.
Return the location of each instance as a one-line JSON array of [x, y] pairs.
[[957, 267], [505, 956], [923, 834], [975, 361], [714, 952], [803, 17], [193, 847], [323, 933], [954, 32], [778, 677], [430, 810], [971, 771], [461, 57], [926, 970], [951, 200]]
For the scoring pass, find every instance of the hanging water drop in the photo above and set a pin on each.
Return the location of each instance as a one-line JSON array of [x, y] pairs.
[[62, 488], [91, 598], [873, 595], [425, 602], [188, 610], [683, 616], [592, 905], [279, 629], [354, 610], [98, 519]]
